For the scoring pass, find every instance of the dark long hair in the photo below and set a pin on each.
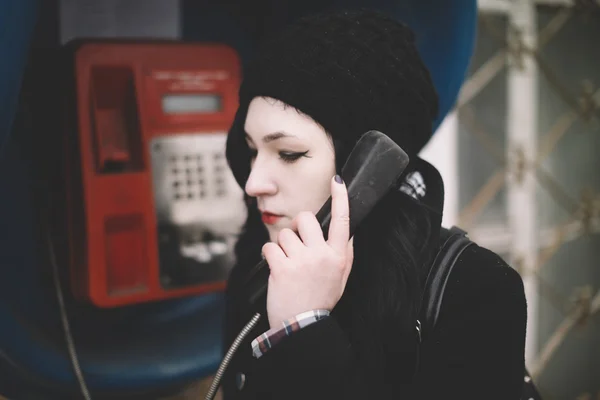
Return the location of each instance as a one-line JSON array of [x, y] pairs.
[[394, 247]]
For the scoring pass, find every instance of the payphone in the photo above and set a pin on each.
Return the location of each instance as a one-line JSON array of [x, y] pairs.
[[152, 207]]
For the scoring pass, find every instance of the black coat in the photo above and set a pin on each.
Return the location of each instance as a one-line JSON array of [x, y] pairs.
[[476, 352]]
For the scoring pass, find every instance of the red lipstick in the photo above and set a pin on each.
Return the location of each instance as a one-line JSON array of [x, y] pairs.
[[269, 218]]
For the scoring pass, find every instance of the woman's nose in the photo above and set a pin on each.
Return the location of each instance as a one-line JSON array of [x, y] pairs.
[[260, 182]]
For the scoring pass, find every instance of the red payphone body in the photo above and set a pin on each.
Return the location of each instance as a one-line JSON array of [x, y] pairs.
[[152, 207]]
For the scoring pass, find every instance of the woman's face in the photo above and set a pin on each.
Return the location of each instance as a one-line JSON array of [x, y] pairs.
[[292, 165]]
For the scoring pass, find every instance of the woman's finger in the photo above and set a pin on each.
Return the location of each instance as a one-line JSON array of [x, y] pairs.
[[339, 228], [308, 229], [274, 256], [290, 243]]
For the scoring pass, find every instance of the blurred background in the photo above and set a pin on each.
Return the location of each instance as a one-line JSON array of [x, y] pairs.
[[524, 135], [520, 148], [516, 145]]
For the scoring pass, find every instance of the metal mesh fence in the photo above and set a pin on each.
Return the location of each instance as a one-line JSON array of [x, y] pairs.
[[564, 167]]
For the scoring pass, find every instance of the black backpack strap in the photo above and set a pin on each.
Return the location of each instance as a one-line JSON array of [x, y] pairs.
[[454, 242]]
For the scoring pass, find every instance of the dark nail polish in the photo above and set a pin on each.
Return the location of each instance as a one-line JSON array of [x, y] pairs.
[[338, 179]]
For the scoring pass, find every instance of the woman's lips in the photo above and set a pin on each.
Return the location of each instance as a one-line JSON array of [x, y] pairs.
[[269, 218]]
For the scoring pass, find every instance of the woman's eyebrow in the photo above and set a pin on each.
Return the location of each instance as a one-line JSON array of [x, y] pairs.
[[272, 136]]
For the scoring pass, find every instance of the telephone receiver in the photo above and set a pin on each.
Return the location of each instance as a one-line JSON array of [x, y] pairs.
[[371, 170]]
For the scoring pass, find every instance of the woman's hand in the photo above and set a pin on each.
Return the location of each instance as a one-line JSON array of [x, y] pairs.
[[308, 272]]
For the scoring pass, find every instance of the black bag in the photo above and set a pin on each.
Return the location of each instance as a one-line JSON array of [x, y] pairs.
[[454, 242]]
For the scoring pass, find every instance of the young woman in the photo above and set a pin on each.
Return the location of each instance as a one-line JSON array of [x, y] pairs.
[[340, 314]]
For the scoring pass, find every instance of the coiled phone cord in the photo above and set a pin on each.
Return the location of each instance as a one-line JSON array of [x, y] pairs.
[[227, 359]]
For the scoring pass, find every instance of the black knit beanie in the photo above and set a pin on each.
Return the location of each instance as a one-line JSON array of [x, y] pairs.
[[351, 72]]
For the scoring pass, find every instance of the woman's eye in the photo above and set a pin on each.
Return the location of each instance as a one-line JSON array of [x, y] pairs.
[[291, 157]]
